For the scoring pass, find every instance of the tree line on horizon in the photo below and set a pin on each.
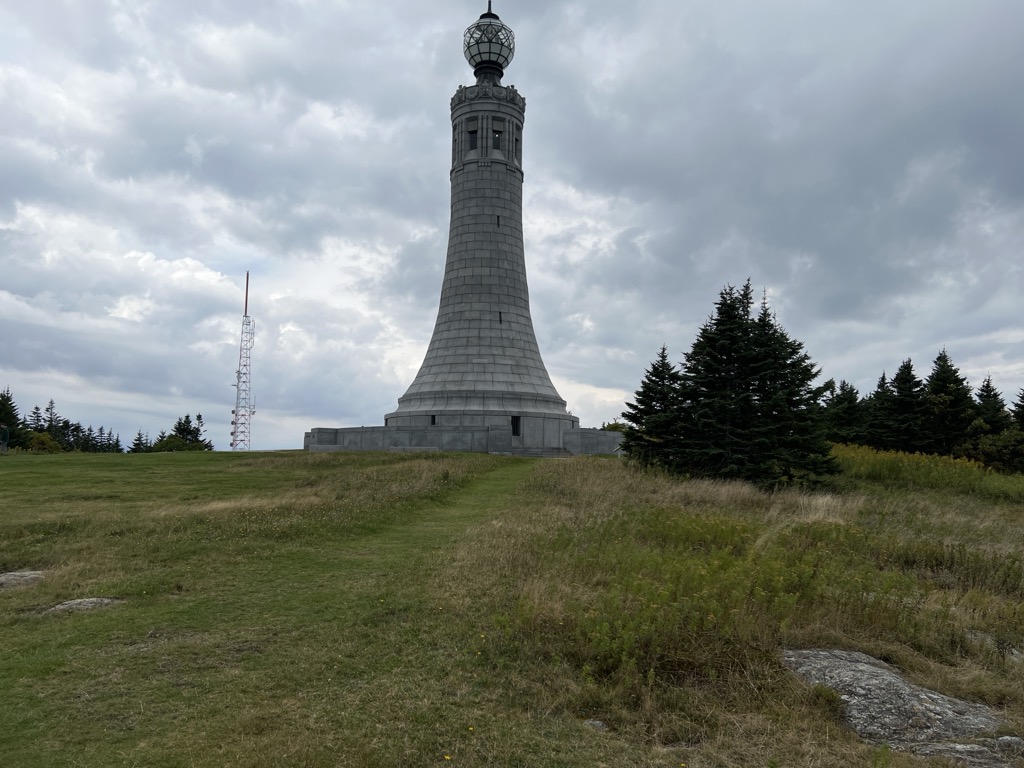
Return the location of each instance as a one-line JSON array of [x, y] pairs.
[[745, 403], [46, 431], [938, 415]]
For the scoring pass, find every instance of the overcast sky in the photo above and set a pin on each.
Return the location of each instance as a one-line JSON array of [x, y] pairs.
[[862, 162]]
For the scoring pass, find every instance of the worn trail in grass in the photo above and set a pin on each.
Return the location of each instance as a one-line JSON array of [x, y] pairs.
[[337, 647]]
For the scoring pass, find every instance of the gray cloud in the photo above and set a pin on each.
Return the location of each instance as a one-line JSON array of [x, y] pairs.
[[860, 162]]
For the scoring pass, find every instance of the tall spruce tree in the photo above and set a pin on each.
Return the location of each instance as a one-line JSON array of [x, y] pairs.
[[74, 437], [950, 407], [789, 430], [844, 413], [717, 397], [879, 408], [908, 410], [34, 421], [55, 425], [750, 408], [17, 437], [994, 437], [651, 432], [991, 410]]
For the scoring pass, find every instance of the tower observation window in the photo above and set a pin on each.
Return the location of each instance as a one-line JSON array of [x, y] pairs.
[[472, 126], [517, 426], [498, 127]]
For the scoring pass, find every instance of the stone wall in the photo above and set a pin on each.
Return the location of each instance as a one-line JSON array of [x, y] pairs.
[[589, 442], [482, 439]]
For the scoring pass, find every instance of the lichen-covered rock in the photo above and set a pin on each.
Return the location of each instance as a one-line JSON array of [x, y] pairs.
[[82, 604], [883, 708], [19, 578]]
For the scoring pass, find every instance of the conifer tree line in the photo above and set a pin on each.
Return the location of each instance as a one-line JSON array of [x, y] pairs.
[[46, 431], [745, 404], [940, 414]]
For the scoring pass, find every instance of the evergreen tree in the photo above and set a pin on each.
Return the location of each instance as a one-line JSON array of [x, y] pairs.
[[88, 440], [35, 420], [717, 398], [651, 432], [201, 427], [789, 428], [994, 439], [141, 443], [908, 410], [991, 410], [54, 424], [17, 438], [52, 419], [1017, 412], [844, 413], [879, 409], [750, 409], [185, 436], [950, 407], [74, 437]]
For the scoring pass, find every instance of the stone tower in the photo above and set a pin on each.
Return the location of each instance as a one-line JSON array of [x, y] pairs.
[[482, 385], [483, 368]]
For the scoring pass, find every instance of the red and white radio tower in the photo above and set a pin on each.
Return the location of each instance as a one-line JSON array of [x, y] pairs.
[[244, 407]]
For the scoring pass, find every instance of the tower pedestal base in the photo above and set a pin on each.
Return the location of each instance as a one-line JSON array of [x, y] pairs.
[[573, 441]]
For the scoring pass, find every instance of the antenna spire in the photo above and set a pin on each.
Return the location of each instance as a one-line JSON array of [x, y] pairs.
[[244, 407]]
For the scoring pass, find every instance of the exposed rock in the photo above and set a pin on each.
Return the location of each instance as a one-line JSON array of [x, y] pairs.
[[883, 708], [82, 604], [980, 755], [596, 725], [19, 578]]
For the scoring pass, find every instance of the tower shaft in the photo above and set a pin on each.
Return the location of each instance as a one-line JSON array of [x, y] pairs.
[[483, 366], [241, 416]]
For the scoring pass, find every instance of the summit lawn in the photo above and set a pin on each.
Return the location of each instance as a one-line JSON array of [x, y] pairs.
[[289, 609]]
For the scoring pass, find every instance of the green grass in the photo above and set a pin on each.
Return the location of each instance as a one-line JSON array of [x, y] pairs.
[[391, 610]]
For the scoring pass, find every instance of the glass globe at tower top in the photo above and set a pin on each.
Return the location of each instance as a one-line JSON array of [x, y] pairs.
[[489, 46]]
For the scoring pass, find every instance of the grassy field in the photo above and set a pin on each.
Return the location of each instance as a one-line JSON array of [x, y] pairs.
[[289, 609]]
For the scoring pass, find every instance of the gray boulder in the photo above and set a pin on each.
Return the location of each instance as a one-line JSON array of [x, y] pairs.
[[881, 707], [19, 578], [82, 604]]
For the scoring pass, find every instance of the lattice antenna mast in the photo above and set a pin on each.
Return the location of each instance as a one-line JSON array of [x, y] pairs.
[[245, 408]]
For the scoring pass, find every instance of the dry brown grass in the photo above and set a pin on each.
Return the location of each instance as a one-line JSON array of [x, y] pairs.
[[585, 530]]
